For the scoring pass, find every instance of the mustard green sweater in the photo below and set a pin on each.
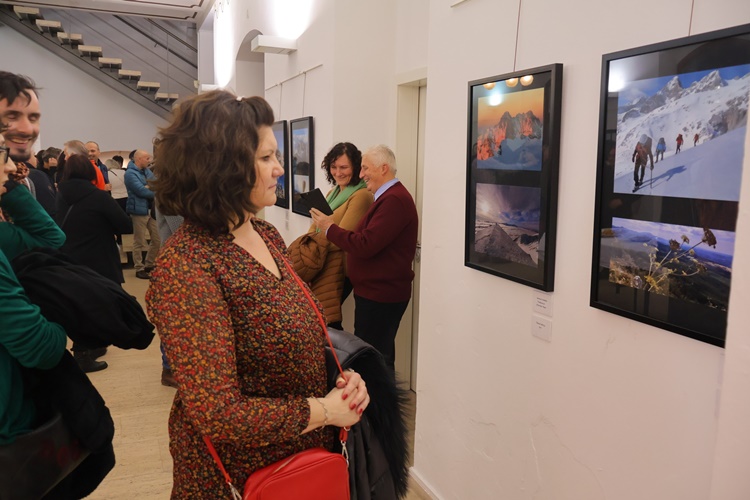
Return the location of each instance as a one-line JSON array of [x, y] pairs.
[[26, 338]]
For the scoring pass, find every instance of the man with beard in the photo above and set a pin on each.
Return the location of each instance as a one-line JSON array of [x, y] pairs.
[[19, 110]]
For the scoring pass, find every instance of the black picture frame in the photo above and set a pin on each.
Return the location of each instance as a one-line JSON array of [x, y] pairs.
[[281, 132], [665, 225], [512, 166], [302, 156]]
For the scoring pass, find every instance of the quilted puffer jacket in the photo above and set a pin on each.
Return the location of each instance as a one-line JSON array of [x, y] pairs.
[[320, 263]]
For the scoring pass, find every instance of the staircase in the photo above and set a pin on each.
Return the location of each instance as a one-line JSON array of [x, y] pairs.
[[171, 71]]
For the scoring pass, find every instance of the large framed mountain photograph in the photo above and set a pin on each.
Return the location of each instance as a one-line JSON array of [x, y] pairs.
[[302, 153], [672, 125], [280, 132], [511, 175]]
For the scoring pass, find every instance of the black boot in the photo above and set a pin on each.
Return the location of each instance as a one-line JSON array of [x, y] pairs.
[[87, 362], [98, 352]]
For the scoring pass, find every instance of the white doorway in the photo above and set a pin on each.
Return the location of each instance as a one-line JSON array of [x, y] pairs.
[[410, 133]]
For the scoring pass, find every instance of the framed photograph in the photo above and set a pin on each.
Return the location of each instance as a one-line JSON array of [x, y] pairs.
[[512, 161], [672, 124], [281, 132], [303, 161]]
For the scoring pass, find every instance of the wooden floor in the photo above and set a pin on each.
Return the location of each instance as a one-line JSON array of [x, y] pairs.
[[140, 406]]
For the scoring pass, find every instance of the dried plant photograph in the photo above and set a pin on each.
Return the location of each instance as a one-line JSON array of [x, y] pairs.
[[688, 263]]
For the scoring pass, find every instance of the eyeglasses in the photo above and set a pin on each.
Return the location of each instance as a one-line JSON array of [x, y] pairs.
[[4, 152]]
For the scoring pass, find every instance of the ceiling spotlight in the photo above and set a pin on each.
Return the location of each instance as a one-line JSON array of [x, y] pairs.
[[526, 80], [511, 82], [489, 86]]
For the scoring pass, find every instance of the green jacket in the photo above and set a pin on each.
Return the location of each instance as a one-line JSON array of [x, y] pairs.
[[26, 337]]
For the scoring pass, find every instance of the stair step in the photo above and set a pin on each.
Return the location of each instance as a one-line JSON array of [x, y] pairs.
[[90, 50], [70, 39], [48, 26], [129, 74], [148, 86], [29, 13], [110, 62], [165, 96]]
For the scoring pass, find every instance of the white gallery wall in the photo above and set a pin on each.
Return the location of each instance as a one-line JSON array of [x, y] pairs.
[[610, 408], [75, 105]]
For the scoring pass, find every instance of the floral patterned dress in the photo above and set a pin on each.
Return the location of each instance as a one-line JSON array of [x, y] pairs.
[[246, 349]]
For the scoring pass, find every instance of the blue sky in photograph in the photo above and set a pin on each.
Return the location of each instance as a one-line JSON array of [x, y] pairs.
[[651, 86]]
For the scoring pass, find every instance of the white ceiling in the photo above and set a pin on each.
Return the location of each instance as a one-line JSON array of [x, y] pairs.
[[177, 10]]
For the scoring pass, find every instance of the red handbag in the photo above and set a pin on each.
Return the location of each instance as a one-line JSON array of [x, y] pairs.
[[314, 474]]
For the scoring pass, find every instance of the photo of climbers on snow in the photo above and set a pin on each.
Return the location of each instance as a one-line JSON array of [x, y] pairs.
[[683, 135]]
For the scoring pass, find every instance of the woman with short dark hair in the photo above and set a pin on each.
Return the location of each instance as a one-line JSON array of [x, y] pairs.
[[90, 219], [244, 343]]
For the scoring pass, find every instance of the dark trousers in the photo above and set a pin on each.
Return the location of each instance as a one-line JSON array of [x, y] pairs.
[[377, 324]]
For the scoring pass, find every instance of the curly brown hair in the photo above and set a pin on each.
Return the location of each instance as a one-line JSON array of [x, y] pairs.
[[205, 159]]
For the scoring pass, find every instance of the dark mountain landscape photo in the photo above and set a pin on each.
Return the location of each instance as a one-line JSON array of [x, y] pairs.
[[507, 223]]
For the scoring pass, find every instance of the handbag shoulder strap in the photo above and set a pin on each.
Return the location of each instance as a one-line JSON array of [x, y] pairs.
[[62, 225], [312, 303], [235, 493]]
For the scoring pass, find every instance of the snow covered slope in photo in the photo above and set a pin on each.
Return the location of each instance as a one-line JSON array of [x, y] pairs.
[[712, 107]]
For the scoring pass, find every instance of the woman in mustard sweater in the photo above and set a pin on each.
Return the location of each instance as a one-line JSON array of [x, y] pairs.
[[319, 262]]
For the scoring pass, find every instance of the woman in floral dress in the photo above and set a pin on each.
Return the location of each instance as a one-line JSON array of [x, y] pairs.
[[245, 345]]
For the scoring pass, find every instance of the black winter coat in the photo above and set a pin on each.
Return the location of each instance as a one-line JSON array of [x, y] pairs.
[[91, 219], [378, 468], [67, 390], [93, 310]]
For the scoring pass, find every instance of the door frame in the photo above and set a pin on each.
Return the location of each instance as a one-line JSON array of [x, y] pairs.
[[409, 152]]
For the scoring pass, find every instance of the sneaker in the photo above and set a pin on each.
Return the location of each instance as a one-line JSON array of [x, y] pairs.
[[142, 274], [167, 378]]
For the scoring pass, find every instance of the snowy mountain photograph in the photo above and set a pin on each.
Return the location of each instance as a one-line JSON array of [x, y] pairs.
[[689, 263], [509, 130], [507, 222], [279, 134], [702, 119]]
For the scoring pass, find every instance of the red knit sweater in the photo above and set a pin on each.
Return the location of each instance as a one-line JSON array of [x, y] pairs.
[[381, 249]]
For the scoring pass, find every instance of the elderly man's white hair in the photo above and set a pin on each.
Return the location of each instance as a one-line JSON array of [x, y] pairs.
[[382, 155], [76, 147]]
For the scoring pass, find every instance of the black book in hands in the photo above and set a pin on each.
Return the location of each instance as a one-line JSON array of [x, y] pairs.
[[315, 199]]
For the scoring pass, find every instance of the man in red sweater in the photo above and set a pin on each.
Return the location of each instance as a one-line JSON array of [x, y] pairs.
[[379, 252]]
